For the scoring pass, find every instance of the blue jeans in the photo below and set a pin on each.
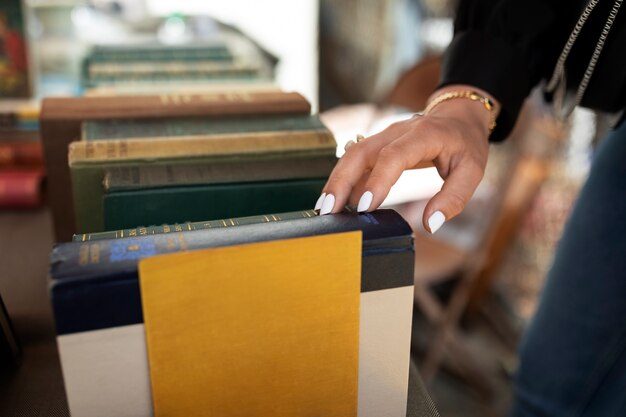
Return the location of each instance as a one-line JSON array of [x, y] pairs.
[[573, 357]]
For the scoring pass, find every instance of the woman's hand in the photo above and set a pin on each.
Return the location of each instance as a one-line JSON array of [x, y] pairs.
[[453, 136]]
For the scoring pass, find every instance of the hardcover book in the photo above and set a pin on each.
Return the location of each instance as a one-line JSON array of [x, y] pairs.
[[129, 209], [61, 121], [21, 188], [89, 159], [178, 175], [97, 305], [196, 126]]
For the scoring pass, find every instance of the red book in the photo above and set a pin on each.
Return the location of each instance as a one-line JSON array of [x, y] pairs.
[[21, 153], [21, 188]]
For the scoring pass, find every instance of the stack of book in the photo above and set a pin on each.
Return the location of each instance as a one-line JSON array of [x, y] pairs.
[[130, 68], [127, 173], [21, 158], [97, 302]]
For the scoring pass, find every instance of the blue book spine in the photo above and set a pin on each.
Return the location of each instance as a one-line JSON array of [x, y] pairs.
[[95, 285]]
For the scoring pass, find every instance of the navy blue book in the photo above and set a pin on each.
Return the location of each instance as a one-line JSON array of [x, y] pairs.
[[101, 337], [94, 284]]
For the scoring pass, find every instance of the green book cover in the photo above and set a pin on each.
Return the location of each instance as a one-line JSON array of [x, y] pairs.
[[216, 51], [173, 175], [129, 209], [88, 187], [179, 127]]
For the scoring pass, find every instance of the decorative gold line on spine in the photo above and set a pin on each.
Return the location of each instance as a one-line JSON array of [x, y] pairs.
[[267, 219], [83, 237], [225, 225], [232, 222], [274, 217]]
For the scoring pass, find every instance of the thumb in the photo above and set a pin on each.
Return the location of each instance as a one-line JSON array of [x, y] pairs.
[[456, 191]]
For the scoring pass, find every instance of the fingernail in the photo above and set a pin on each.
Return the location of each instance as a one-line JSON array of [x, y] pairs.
[[328, 204], [435, 221], [365, 202], [319, 202]]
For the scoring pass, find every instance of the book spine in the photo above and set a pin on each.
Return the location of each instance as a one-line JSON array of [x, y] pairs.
[[21, 189], [139, 68], [180, 127], [162, 176], [192, 226], [216, 145], [21, 153], [129, 209], [213, 53], [119, 257], [95, 284], [172, 105]]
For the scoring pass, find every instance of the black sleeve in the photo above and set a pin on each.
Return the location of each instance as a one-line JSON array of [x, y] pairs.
[[505, 47]]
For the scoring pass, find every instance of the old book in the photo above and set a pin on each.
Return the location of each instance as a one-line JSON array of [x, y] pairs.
[[129, 209], [141, 72], [97, 306], [221, 86], [21, 153], [278, 320], [190, 226], [87, 181], [21, 188], [138, 149], [141, 177], [215, 50], [196, 126], [88, 159], [61, 120]]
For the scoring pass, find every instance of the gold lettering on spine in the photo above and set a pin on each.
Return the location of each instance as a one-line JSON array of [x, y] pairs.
[[170, 243], [83, 255], [182, 242], [94, 254]]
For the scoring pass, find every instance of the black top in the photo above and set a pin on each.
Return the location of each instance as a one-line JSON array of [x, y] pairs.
[[506, 47]]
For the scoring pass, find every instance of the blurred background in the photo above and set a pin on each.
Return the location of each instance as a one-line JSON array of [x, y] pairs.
[[362, 64]]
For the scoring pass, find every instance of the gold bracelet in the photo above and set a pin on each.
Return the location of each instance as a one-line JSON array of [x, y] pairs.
[[471, 95]]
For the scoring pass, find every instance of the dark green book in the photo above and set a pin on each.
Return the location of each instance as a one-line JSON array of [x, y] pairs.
[[195, 126], [88, 186], [192, 226], [214, 51], [129, 209], [140, 177]]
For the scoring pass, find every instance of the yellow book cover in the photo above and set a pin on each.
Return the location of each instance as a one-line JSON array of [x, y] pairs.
[[262, 329]]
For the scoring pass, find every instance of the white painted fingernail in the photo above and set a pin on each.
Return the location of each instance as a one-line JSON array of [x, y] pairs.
[[435, 221], [328, 204], [319, 202], [365, 202]]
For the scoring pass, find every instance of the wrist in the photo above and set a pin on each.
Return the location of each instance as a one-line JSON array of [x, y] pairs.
[[464, 103]]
